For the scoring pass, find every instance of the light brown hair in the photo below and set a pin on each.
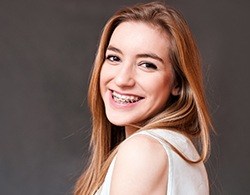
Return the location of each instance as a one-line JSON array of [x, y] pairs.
[[187, 113]]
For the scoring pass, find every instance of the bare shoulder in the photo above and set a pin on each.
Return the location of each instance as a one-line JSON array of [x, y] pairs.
[[142, 146], [141, 167]]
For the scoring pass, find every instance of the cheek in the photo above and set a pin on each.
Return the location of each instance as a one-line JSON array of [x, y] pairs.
[[102, 81], [104, 73], [159, 85], [105, 77], [160, 90]]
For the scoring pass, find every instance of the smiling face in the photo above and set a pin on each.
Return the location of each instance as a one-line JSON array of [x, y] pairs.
[[136, 78]]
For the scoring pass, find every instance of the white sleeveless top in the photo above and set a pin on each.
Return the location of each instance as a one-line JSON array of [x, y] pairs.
[[183, 178]]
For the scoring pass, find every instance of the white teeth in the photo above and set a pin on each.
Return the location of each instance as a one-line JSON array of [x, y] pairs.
[[124, 98]]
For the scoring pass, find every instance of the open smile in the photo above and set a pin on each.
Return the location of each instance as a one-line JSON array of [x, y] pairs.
[[125, 99]]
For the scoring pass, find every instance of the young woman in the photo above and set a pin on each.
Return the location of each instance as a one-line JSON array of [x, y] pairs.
[[148, 107]]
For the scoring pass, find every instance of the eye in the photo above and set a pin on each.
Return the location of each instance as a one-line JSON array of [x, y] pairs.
[[113, 58], [148, 65]]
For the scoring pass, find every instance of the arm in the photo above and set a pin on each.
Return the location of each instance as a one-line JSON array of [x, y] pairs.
[[141, 167]]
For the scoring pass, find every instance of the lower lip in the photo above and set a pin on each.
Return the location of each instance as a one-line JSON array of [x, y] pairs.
[[122, 105]]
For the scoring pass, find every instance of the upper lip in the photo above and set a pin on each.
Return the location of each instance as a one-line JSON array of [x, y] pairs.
[[126, 94]]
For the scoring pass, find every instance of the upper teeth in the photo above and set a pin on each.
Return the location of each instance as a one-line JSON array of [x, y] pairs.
[[124, 98]]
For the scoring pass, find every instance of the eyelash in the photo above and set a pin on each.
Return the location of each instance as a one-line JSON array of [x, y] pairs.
[[149, 65], [113, 58]]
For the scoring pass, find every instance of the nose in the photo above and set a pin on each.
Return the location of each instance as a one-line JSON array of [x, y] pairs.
[[125, 76]]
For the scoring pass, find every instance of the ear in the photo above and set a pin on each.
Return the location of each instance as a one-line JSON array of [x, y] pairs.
[[175, 90]]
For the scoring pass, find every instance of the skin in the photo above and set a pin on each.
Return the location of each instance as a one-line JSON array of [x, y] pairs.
[[136, 66], [136, 81], [141, 167]]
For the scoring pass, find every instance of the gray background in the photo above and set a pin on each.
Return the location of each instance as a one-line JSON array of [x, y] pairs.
[[46, 51]]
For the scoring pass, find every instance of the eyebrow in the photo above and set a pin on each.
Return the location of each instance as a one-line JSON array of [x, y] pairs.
[[150, 55], [112, 48], [143, 55]]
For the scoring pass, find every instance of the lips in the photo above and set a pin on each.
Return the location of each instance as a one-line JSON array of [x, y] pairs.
[[125, 99]]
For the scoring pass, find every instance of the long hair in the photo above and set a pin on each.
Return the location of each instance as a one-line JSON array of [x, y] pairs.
[[187, 113]]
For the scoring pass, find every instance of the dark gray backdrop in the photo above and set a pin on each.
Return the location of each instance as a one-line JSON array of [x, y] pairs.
[[46, 51]]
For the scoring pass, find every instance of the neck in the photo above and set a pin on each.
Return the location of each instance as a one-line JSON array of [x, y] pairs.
[[129, 130]]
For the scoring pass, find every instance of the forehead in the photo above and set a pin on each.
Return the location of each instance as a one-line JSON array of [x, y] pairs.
[[140, 36], [134, 27]]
